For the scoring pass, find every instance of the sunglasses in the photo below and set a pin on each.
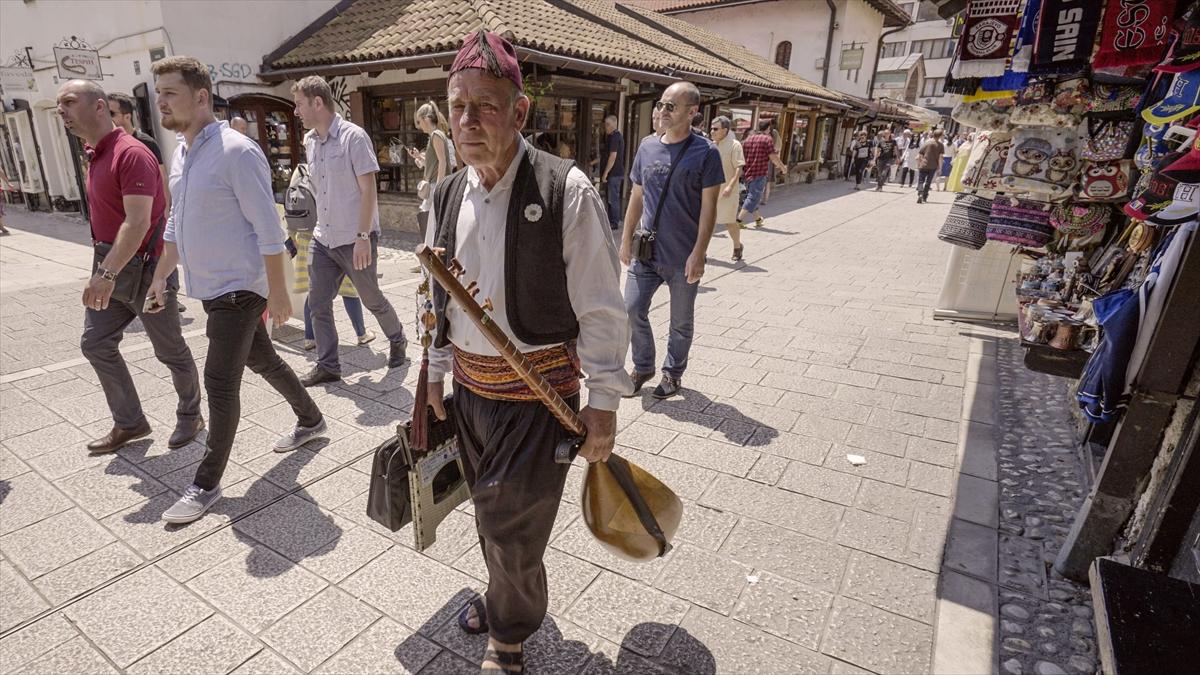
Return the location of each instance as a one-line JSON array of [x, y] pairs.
[[665, 105]]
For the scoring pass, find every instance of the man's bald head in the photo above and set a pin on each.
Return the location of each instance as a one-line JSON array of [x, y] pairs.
[[689, 92], [83, 106], [239, 125], [86, 90]]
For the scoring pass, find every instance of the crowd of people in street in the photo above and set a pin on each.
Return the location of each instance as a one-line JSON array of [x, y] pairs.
[[210, 211], [915, 160]]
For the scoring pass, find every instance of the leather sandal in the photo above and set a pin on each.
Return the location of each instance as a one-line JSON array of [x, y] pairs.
[[480, 615], [737, 253], [510, 662]]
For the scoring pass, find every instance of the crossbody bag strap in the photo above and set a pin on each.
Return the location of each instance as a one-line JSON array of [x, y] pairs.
[[667, 183]]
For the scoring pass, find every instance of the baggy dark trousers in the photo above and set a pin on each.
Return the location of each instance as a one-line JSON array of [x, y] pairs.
[[516, 486]]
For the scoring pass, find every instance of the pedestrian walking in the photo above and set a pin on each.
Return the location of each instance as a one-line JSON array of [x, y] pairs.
[[126, 196], [612, 176], [759, 151], [676, 180], [698, 125], [436, 162], [121, 107], [732, 161], [300, 214], [906, 149], [341, 159], [225, 231], [885, 154], [951, 153], [929, 163], [777, 141], [860, 150], [557, 293], [240, 125]]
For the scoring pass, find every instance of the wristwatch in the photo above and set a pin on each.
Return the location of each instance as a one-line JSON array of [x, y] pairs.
[[106, 275], [365, 236]]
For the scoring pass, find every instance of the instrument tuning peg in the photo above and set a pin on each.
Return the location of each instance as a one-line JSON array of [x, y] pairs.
[[487, 304], [456, 268], [473, 291]]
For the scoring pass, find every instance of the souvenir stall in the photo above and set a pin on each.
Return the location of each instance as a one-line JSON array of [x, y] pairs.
[[1085, 164]]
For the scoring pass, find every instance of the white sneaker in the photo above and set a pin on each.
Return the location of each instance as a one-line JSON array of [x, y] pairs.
[[194, 502], [310, 345], [299, 436], [366, 338]]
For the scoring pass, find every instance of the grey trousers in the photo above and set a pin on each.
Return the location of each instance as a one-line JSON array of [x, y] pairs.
[[102, 333], [326, 269]]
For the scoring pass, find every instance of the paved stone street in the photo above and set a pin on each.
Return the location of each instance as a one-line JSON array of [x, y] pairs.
[[791, 559]]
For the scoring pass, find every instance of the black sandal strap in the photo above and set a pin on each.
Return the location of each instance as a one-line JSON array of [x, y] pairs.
[[507, 660], [480, 617]]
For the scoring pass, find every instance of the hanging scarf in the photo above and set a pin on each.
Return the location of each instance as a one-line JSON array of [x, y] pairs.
[[1066, 33], [1023, 47], [1135, 32], [987, 37]]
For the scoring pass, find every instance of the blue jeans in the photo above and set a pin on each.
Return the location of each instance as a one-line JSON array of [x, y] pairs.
[[924, 182], [613, 193], [353, 310], [643, 282], [754, 194]]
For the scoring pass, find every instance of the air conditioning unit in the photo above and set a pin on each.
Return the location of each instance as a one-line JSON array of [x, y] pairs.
[[930, 101]]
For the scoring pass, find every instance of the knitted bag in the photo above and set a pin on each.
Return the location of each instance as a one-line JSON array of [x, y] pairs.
[[1079, 220], [966, 224], [1021, 222]]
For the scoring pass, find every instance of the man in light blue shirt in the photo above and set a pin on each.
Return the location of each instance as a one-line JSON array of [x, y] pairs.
[[341, 161], [225, 231]]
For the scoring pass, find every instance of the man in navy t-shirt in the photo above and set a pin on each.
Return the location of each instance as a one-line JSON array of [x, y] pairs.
[[612, 169], [681, 236]]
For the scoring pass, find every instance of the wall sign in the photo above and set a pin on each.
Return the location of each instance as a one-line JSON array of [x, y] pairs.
[[852, 59], [17, 78], [76, 59]]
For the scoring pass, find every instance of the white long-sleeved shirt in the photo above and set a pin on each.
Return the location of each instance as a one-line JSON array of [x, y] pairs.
[[593, 281]]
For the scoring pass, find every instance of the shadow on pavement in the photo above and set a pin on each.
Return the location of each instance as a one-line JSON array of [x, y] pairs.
[[551, 651], [691, 406]]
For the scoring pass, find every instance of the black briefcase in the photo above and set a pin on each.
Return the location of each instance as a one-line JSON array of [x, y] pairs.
[[436, 475]]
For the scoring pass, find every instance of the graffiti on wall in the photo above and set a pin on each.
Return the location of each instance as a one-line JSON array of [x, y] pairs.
[[341, 95], [230, 71]]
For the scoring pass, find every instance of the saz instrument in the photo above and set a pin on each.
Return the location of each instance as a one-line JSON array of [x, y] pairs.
[[630, 512]]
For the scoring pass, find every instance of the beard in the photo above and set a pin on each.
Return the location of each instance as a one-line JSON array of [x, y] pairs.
[[172, 123]]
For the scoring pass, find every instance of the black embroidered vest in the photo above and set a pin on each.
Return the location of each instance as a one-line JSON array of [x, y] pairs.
[[535, 277]]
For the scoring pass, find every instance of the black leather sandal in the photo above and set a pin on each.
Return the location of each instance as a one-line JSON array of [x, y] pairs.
[[737, 253], [510, 662], [480, 614]]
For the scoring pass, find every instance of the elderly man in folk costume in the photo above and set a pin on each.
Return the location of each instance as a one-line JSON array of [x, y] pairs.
[[532, 232]]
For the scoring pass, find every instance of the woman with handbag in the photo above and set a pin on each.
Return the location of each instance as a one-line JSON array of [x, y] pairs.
[[437, 161]]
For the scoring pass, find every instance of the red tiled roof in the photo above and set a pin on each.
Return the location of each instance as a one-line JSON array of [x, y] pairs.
[[590, 30]]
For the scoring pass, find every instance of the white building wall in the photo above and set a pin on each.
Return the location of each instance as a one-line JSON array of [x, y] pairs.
[[928, 30], [760, 27], [231, 38]]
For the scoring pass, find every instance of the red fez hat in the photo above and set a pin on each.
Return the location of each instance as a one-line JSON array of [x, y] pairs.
[[485, 50]]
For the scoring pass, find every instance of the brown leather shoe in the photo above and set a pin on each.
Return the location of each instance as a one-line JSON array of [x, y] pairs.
[[185, 432], [116, 438]]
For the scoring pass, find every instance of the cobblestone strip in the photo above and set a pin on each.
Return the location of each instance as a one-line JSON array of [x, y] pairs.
[[1045, 621]]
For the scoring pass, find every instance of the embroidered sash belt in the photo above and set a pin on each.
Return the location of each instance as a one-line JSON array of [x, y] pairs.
[[492, 377]]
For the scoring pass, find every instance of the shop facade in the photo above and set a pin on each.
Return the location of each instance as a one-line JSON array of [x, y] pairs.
[[123, 39], [1077, 214]]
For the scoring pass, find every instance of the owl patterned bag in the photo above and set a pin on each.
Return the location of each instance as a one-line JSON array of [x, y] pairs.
[[1105, 181], [988, 171], [1044, 160]]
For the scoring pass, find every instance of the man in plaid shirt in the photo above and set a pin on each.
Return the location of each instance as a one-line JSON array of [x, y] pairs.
[[759, 150]]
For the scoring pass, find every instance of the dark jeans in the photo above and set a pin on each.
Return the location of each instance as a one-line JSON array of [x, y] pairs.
[[906, 176], [326, 269], [516, 487], [644, 280], [858, 169], [353, 310], [924, 182], [613, 192], [237, 338], [101, 341], [883, 167]]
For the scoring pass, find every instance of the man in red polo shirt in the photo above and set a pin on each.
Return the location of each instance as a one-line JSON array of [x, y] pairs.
[[126, 199], [760, 153]]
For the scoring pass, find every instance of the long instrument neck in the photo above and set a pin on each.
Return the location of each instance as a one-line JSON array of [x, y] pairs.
[[508, 351]]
